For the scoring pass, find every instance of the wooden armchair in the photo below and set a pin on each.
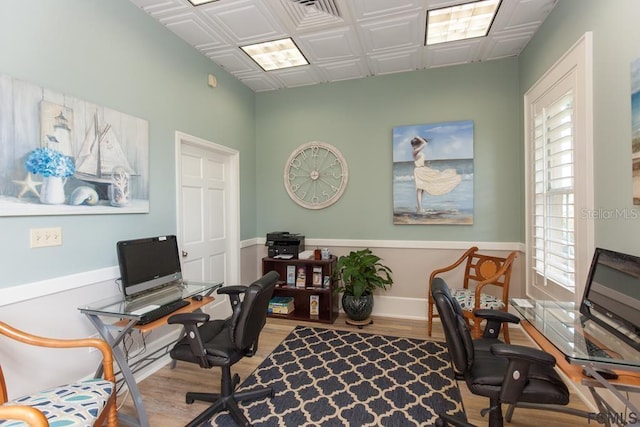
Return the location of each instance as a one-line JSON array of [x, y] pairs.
[[479, 271], [89, 402]]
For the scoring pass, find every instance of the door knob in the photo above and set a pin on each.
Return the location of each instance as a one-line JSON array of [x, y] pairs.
[[185, 254]]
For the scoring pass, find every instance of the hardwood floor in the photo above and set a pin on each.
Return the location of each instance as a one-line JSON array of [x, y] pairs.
[[163, 392]]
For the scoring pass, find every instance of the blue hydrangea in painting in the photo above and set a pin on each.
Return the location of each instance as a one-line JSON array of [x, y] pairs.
[[48, 162]]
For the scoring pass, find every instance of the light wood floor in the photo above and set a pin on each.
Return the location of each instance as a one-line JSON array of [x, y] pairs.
[[163, 392]]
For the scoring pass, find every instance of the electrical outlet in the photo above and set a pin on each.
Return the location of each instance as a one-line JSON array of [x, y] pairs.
[[42, 237]]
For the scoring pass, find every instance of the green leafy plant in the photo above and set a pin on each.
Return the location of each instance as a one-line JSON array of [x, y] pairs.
[[361, 272]]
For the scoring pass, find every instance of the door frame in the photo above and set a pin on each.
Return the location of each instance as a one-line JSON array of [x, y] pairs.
[[232, 212]]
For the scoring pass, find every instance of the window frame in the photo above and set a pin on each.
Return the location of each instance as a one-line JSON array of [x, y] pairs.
[[575, 70]]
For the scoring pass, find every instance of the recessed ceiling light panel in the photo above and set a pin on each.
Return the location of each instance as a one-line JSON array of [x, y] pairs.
[[200, 2], [464, 21], [276, 54]]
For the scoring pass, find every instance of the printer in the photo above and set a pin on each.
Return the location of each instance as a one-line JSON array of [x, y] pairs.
[[284, 243]]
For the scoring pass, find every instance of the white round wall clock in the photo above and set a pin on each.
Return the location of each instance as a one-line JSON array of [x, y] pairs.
[[315, 175]]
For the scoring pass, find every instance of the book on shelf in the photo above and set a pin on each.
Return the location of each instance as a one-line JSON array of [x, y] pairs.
[[291, 275], [301, 278], [326, 282], [314, 303], [281, 305], [317, 277], [281, 301]]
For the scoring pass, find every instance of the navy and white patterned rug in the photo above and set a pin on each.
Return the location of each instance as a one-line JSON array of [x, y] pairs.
[[333, 378]]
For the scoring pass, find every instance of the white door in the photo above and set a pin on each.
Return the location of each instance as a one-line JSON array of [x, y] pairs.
[[208, 210]]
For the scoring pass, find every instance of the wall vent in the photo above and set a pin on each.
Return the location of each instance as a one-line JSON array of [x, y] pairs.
[[326, 6], [312, 13]]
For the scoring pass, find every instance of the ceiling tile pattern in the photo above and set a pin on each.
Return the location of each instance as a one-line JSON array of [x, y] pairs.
[[342, 39]]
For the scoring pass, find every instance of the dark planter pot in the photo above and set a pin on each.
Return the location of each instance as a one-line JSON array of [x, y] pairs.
[[357, 308]]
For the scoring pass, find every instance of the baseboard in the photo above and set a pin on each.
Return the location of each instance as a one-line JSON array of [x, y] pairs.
[[400, 308]]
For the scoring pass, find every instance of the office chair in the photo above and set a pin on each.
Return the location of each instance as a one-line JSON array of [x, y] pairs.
[[88, 402], [223, 343], [479, 271], [506, 374], [445, 420]]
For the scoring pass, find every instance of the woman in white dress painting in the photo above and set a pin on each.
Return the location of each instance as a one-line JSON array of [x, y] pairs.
[[432, 181]]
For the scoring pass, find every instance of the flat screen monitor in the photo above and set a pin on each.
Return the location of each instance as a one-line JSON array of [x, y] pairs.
[[148, 263], [612, 294]]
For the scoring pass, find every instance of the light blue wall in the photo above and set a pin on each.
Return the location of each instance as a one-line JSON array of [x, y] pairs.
[[616, 43], [358, 117], [111, 53]]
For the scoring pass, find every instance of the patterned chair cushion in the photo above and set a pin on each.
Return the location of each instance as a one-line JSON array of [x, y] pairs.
[[77, 404], [466, 298]]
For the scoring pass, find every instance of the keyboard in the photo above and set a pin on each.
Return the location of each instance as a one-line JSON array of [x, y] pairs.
[[594, 350], [161, 311]]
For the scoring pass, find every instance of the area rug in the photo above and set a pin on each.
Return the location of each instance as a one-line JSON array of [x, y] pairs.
[[333, 378]]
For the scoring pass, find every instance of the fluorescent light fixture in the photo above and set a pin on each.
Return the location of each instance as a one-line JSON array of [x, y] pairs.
[[199, 2], [464, 21], [276, 54]]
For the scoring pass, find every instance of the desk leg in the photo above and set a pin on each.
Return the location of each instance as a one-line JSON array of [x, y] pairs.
[[591, 370], [121, 360]]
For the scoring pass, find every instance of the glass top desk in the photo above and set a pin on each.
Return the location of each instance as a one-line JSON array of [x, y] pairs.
[[120, 316], [581, 344]]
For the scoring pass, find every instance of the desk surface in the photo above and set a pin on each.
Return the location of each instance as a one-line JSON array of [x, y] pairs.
[[567, 330], [121, 307]]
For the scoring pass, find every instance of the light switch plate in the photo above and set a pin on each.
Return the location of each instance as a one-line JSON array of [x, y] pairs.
[[42, 237]]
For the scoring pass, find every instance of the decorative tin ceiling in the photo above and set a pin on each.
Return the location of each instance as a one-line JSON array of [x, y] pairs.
[[342, 39]]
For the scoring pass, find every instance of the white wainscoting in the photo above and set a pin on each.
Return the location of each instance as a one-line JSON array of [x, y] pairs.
[[50, 307]]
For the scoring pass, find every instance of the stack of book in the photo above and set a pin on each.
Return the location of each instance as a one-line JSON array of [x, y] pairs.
[[281, 305]]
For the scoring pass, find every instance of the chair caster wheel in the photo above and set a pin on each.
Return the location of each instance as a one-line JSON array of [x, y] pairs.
[[236, 380], [189, 401]]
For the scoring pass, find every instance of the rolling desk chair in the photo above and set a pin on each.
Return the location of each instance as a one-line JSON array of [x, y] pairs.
[[223, 343], [504, 373]]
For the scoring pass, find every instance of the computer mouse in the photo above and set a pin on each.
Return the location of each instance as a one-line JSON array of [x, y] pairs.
[[197, 297], [607, 374]]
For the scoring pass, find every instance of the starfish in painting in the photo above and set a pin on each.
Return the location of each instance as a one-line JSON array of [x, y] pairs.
[[28, 186]]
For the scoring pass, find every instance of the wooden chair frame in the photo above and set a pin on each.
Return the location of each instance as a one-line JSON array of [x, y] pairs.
[[479, 271], [31, 415]]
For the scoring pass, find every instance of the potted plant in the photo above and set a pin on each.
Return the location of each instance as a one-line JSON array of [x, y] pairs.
[[359, 274]]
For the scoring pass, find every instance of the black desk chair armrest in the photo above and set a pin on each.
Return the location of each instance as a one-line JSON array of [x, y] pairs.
[[234, 292], [188, 318], [527, 354], [191, 322], [517, 375], [495, 319], [232, 289], [501, 316]]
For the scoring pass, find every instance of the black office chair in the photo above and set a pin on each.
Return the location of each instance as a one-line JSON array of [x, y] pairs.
[[224, 342], [505, 373], [445, 420]]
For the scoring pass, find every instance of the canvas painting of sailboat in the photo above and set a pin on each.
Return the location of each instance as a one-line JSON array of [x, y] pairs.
[[92, 159]]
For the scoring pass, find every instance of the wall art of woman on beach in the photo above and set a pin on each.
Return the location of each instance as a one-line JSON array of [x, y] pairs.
[[432, 181]]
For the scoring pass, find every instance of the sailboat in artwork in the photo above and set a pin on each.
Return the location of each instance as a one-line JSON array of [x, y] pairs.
[[100, 155]]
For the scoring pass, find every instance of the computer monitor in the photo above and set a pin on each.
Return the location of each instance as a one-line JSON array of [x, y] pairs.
[[612, 294], [148, 263]]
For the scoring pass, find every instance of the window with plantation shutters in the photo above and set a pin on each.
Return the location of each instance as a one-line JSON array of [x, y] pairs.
[[553, 208], [559, 179]]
